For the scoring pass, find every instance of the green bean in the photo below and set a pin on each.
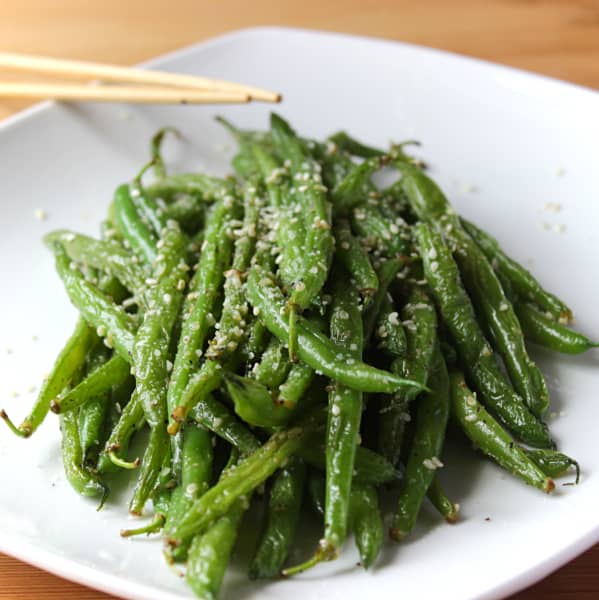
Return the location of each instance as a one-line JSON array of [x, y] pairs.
[[219, 419], [232, 327], [156, 150], [273, 366], [108, 256], [150, 355], [501, 321], [204, 187], [386, 274], [444, 506], [101, 380], [196, 474], [283, 515], [479, 278], [366, 522], [150, 349], [345, 142], [296, 384], [491, 439], [210, 551], [82, 480], [248, 474], [354, 187], [369, 466], [188, 212], [198, 307], [314, 349], [131, 420], [111, 321], [522, 281], [471, 344], [552, 463], [316, 492], [130, 225], [307, 280], [432, 413], [68, 365], [548, 333], [420, 321], [255, 404], [382, 236], [389, 330], [355, 259], [154, 456], [343, 422], [93, 414]]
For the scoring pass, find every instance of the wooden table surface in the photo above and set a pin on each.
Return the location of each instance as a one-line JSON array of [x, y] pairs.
[[559, 38]]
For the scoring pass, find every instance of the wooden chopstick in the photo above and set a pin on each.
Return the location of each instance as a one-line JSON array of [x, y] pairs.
[[133, 94], [90, 70]]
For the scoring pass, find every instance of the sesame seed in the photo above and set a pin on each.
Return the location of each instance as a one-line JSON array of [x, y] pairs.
[[335, 410], [437, 462], [393, 318], [471, 418], [429, 464], [40, 214], [434, 266], [504, 306]]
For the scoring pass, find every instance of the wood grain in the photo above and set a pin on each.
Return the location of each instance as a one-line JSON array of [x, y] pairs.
[[559, 38]]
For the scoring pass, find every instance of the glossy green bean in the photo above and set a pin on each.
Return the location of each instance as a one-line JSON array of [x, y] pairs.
[[369, 466], [547, 332], [295, 386], [111, 321], [475, 353], [352, 255], [553, 463], [419, 319], [366, 522], [108, 256], [522, 281], [219, 419], [196, 475], [343, 420], [132, 419], [273, 366], [209, 552], [283, 515], [491, 438], [101, 380], [432, 413], [445, 507], [68, 365], [314, 349], [248, 474], [82, 480], [255, 404], [199, 304], [389, 330], [130, 225]]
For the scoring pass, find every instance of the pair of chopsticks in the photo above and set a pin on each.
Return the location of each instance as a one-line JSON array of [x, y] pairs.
[[150, 87]]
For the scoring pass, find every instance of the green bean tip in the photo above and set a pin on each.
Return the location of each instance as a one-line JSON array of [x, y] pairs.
[[23, 431]]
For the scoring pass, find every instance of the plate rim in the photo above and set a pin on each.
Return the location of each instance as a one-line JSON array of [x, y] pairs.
[[72, 570]]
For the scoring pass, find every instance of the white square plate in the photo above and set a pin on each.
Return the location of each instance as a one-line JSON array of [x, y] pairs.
[[503, 143]]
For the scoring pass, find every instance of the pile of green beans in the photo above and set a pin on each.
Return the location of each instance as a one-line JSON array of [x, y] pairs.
[[294, 335]]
